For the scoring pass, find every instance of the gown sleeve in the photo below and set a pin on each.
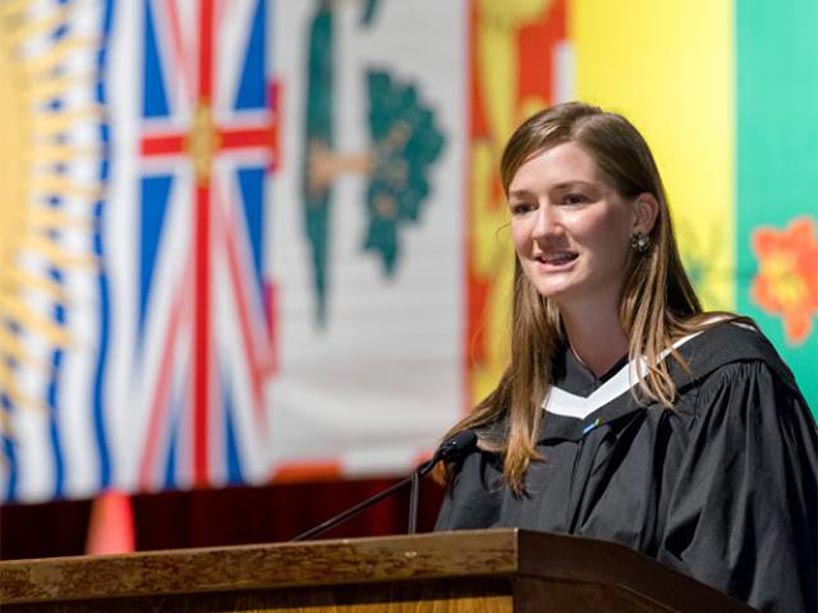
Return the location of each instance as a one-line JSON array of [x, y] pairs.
[[742, 515], [472, 499]]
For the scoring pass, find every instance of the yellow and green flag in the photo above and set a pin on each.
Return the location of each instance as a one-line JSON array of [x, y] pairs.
[[726, 93]]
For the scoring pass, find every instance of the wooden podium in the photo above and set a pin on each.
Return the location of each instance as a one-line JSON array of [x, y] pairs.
[[475, 571]]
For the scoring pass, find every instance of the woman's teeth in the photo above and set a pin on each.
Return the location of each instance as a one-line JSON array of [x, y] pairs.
[[557, 258]]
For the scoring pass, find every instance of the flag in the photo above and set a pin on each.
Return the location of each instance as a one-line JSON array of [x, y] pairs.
[[197, 154]]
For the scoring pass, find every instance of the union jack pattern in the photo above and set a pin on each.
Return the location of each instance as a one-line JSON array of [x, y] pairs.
[[208, 142]]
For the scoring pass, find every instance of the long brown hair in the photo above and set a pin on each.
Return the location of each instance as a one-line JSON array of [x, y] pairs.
[[657, 305]]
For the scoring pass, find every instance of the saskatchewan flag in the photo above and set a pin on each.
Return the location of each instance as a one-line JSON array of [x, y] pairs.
[[726, 92]]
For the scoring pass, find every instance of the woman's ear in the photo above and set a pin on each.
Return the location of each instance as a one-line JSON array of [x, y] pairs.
[[645, 212]]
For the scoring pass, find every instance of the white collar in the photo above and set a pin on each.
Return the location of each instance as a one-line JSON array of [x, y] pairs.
[[560, 402]]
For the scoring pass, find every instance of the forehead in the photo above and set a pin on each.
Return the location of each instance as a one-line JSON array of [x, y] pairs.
[[563, 163]]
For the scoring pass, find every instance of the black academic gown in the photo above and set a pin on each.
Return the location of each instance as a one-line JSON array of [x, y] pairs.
[[721, 488]]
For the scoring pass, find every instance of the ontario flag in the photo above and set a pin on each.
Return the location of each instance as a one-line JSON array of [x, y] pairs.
[[195, 147]]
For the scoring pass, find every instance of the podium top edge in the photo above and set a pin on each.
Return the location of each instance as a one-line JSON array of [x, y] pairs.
[[262, 566], [504, 553]]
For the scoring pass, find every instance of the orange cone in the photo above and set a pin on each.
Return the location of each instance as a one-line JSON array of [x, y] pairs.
[[111, 529]]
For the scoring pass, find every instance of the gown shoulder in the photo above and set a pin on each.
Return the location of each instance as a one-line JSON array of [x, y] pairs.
[[742, 508]]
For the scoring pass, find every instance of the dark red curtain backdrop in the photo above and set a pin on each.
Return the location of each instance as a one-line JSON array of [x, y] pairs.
[[208, 518]]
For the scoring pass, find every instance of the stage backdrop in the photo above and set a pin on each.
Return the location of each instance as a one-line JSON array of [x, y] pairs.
[[254, 240]]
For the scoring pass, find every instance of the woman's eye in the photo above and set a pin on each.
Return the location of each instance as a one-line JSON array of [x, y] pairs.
[[574, 199], [521, 208]]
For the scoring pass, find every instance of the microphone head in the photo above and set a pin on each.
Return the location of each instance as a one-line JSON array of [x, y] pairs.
[[458, 446]]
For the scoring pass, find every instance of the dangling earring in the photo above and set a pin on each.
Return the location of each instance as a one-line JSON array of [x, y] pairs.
[[639, 242]]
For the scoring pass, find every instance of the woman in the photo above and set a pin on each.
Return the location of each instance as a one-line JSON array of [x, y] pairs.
[[627, 413]]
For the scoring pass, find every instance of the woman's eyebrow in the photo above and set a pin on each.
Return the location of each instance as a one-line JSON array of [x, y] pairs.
[[577, 183], [524, 193], [520, 193]]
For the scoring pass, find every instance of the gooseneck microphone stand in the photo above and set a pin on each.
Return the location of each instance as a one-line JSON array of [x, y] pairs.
[[454, 448]]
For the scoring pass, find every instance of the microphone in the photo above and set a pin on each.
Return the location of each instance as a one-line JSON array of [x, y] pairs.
[[456, 447], [451, 450]]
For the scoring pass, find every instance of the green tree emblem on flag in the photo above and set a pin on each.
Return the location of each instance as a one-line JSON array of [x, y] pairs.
[[405, 142]]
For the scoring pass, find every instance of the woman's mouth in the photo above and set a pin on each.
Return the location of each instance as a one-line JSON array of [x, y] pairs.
[[556, 259]]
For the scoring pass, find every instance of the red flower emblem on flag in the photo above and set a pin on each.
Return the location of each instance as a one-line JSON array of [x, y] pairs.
[[787, 279]]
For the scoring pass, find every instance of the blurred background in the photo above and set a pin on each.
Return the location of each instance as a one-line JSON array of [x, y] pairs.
[[253, 253]]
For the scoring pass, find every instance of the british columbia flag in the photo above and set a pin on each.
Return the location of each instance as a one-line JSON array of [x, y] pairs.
[[151, 348], [207, 143]]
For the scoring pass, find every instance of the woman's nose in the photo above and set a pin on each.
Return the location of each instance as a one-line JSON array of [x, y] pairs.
[[546, 222]]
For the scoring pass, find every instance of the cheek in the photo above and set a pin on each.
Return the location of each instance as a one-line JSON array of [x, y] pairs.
[[608, 237], [611, 253]]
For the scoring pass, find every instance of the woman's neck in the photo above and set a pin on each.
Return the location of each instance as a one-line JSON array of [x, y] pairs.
[[596, 338]]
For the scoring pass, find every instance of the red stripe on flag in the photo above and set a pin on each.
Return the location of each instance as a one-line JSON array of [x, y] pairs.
[[536, 44], [201, 335], [226, 229], [206, 43], [159, 404], [163, 144], [181, 57], [273, 96], [250, 137], [475, 126], [271, 315]]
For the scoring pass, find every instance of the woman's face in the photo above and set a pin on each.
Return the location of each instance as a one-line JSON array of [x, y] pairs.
[[570, 228]]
